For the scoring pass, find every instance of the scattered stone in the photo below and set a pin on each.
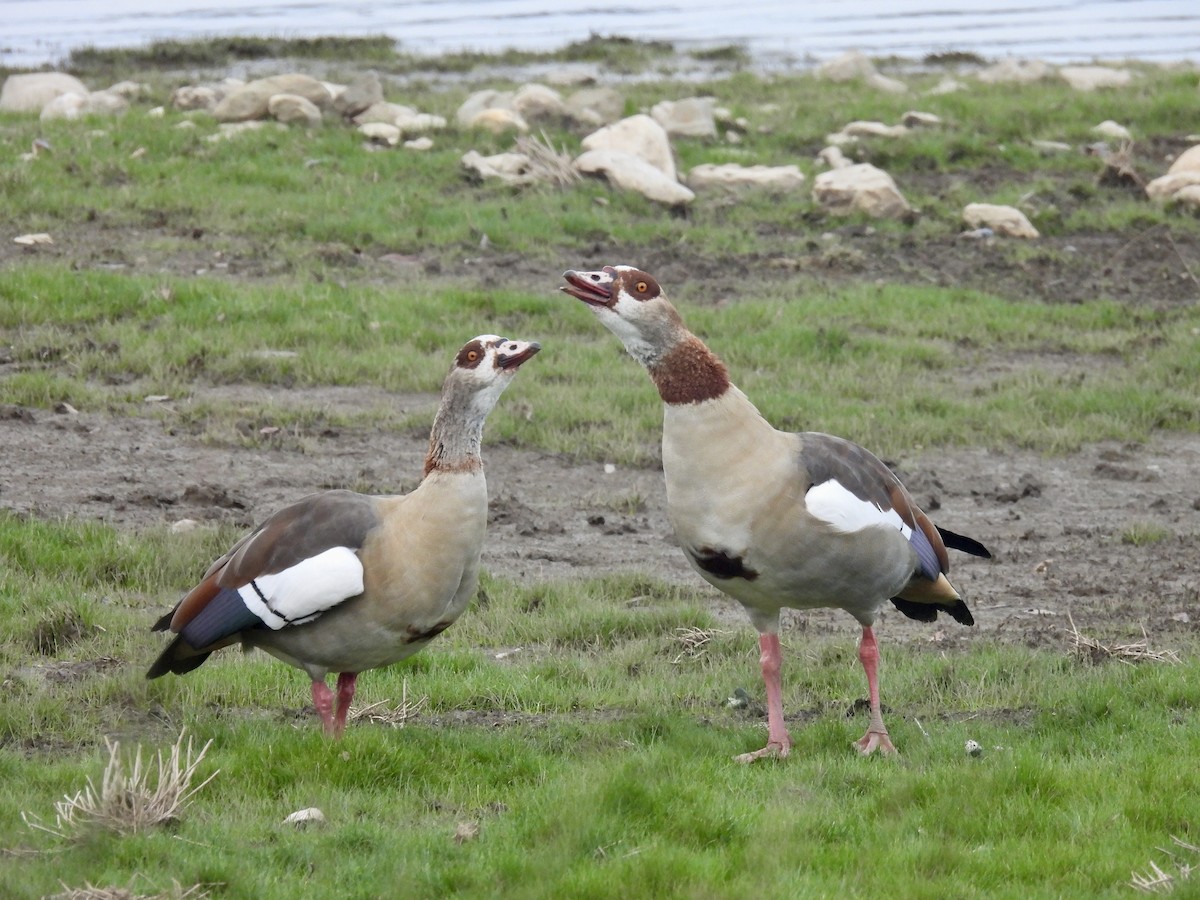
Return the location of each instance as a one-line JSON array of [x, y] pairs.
[[382, 111], [779, 179], [229, 130], [538, 103], [833, 157], [200, 96], [1110, 129], [1015, 71], [947, 85], [304, 818], [480, 101], [421, 143], [30, 240], [1182, 181], [292, 109], [872, 129], [690, 117], [595, 106], [860, 188], [634, 173], [1090, 78], [883, 83], [1051, 146], [511, 168], [1187, 161], [184, 525], [250, 101], [638, 136], [498, 120], [973, 748], [851, 66], [65, 408], [130, 90], [381, 133], [419, 122], [1003, 220], [31, 92], [916, 119], [74, 106], [360, 94]]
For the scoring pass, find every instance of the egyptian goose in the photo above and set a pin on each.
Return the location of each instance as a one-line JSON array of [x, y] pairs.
[[345, 582], [775, 519]]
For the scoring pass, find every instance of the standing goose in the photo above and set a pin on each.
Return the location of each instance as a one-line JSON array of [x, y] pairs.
[[775, 519], [345, 582]]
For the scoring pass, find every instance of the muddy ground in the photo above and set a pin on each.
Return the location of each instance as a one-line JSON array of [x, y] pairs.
[[1066, 531]]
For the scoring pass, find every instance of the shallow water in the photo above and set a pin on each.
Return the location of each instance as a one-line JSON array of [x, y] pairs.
[[39, 32]]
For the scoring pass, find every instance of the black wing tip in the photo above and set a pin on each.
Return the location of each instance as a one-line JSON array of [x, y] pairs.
[[928, 612], [962, 542], [179, 658]]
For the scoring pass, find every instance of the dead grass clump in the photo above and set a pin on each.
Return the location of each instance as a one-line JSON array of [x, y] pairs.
[[1137, 651], [1157, 881], [132, 796], [546, 162], [91, 892], [382, 714], [694, 642]]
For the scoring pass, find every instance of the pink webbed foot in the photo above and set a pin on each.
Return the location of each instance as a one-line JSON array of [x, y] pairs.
[[874, 740]]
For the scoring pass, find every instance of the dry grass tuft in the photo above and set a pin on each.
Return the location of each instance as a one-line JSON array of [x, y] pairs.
[[91, 892], [132, 797], [1137, 651], [380, 713], [1157, 881], [546, 162], [694, 642]]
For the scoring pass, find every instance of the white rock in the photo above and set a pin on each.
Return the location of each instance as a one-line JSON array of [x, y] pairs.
[[383, 112], [1051, 146], [689, 117], [1004, 220], [31, 92], [498, 120], [833, 157], [1167, 186], [638, 136], [538, 103], [633, 173], [732, 175], [229, 130], [130, 90], [874, 129], [200, 96], [1090, 78], [381, 132], [421, 143], [303, 818], [1187, 161], [973, 748], [883, 83], [595, 106], [158, 112], [860, 188], [481, 100], [1110, 129], [947, 85], [1188, 196], [511, 168], [184, 525], [1016, 71], [30, 240], [250, 101], [916, 119], [419, 123], [292, 109], [850, 66], [74, 106]]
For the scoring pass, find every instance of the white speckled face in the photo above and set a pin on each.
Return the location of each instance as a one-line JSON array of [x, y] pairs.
[[490, 361]]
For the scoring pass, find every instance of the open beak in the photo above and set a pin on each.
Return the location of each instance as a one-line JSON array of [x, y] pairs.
[[593, 288], [514, 353]]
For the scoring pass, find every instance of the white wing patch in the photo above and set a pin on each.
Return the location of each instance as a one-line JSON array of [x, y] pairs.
[[832, 503], [301, 593]]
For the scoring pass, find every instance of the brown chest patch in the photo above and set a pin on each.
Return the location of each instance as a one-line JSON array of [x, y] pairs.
[[690, 373]]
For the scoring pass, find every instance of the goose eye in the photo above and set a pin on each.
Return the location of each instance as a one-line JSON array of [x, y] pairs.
[[642, 287], [472, 356]]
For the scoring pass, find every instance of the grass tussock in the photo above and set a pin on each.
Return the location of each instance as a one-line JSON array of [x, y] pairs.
[[1184, 860], [1128, 652], [91, 892], [132, 796]]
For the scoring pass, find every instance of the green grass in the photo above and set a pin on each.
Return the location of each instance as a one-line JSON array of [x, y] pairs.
[[613, 773]]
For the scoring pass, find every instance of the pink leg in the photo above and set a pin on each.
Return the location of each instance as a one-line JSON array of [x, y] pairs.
[[876, 737], [779, 742], [345, 694], [323, 700]]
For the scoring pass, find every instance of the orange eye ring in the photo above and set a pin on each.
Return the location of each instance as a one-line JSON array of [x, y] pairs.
[[642, 287], [472, 356]]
